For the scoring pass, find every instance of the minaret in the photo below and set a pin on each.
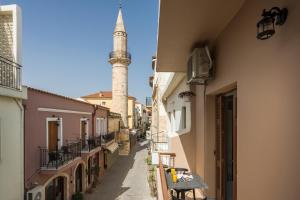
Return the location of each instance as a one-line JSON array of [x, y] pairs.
[[120, 59]]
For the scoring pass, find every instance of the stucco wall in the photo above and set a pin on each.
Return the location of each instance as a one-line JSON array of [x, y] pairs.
[[11, 149], [108, 104], [181, 140], [35, 124], [266, 74], [6, 35]]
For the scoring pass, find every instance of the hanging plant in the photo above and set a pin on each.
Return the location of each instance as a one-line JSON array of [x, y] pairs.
[[186, 95]]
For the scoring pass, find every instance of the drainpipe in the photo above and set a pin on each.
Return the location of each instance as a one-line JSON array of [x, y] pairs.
[[22, 171]]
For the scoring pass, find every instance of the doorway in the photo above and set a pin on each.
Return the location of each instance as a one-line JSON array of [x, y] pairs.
[[53, 137], [226, 146], [78, 178], [55, 189], [84, 132]]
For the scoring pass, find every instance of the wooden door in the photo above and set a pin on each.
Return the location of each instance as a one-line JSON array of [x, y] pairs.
[[83, 129], [226, 146], [52, 135], [220, 180]]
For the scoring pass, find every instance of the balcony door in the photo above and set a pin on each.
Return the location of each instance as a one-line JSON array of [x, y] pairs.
[[84, 131], [78, 178], [226, 146], [53, 137]]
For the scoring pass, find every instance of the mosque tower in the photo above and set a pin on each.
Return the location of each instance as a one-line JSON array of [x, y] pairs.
[[120, 59]]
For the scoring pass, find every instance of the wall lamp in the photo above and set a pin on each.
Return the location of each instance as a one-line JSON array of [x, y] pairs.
[[266, 26]]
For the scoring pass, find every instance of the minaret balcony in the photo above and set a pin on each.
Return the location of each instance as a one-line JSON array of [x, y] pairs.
[[120, 56]]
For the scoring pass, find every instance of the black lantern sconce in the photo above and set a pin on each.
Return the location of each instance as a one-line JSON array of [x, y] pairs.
[[266, 26]]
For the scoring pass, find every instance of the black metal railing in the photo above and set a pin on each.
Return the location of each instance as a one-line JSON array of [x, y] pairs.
[[91, 143], [151, 78], [10, 74], [108, 137], [148, 101], [59, 157], [120, 54]]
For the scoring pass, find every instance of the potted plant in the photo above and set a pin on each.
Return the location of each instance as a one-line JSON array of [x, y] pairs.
[[186, 95], [77, 196]]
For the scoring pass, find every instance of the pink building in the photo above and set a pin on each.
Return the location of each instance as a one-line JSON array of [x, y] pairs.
[[63, 154]]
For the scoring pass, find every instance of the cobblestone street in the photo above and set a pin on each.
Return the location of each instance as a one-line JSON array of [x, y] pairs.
[[126, 179]]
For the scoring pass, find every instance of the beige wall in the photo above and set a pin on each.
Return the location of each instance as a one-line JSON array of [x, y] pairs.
[[108, 104], [181, 140], [11, 149], [113, 124], [266, 74]]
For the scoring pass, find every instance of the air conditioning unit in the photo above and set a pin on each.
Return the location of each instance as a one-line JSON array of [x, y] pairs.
[[199, 66], [37, 193]]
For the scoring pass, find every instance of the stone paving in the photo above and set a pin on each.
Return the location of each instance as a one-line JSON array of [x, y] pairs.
[[126, 179]]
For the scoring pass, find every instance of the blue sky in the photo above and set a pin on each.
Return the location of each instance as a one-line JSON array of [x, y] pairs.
[[66, 44]]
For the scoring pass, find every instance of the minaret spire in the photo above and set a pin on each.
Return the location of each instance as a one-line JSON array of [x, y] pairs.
[[120, 23]]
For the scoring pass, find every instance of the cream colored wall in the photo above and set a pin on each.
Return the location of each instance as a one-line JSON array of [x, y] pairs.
[[113, 124], [11, 110], [11, 149], [181, 141], [108, 104], [266, 74], [131, 106]]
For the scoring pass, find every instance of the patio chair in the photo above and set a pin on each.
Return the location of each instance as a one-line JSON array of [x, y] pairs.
[[53, 157]]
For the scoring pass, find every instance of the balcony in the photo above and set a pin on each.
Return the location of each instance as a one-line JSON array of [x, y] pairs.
[[151, 81], [90, 143], [148, 102], [153, 62], [50, 159], [10, 74], [120, 56], [108, 137]]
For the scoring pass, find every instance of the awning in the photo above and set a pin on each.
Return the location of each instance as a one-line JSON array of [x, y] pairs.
[[112, 147]]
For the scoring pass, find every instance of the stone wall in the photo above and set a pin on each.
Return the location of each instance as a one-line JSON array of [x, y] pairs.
[[6, 36]]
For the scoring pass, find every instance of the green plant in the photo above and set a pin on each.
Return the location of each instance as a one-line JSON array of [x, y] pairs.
[[148, 160], [77, 196]]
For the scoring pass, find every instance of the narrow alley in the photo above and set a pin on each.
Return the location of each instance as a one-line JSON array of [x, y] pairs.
[[126, 179]]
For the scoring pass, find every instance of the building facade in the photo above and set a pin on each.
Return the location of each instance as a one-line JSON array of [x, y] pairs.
[[244, 121], [120, 59], [11, 110], [105, 98], [63, 145]]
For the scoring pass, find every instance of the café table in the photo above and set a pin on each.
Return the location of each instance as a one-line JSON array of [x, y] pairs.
[[183, 186]]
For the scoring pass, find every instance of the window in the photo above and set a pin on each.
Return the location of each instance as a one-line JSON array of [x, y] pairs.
[[103, 103], [98, 127], [183, 117]]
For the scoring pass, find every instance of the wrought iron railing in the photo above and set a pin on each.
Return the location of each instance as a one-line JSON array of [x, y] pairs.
[[120, 54], [108, 137], [59, 157], [91, 143], [151, 78], [148, 101], [10, 74]]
